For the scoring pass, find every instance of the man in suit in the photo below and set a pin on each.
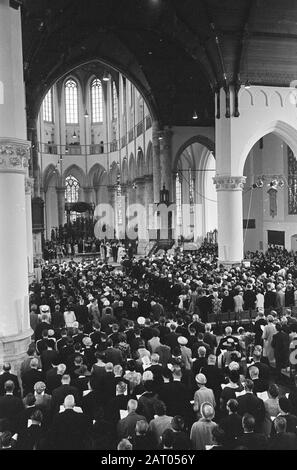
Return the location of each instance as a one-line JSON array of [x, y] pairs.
[[251, 404], [249, 298], [232, 424], [53, 377], [285, 407], [112, 354], [214, 376], [32, 376], [70, 430], [176, 395], [171, 338], [223, 344], [126, 426], [282, 440], [210, 338], [11, 409], [250, 439], [264, 369], [59, 394], [280, 343], [7, 375]]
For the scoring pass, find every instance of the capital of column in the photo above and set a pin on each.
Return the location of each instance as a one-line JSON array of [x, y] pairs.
[[29, 185], [14, 155], [224, 183]]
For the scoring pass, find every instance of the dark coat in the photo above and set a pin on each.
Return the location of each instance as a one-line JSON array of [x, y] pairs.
[[250, 403], [70, 431], [252, 441], [8, 376], [11, 409]]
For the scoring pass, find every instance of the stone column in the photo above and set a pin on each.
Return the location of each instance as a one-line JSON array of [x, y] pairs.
[[230, 228], [111, 201], [29, 184], [140, 199], [149, 200], [61, 205], [165, 160], [156, 161], [15, 331], [88, 194], [14, 300]]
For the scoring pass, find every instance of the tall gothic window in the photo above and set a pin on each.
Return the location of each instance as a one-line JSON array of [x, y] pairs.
[[178, 193], [97, 100], [191, 191], [72, 189], [292, 183], [114, 101], [71, 102], [47, 106]]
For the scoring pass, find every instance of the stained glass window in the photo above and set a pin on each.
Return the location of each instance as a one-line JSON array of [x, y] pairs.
[[72, 189]]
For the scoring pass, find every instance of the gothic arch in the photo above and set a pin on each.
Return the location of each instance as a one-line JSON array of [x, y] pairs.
[[201, 139], [49, 173], [149, 159], [279, 128], [140, 165], [77, 172], [132, 167]]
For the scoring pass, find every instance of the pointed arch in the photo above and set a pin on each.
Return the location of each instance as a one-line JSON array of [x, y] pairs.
[[49, 173], [140, 164], [125, 170], [114, 170], [77, 172], [132, 167], [95, 174], [201, 139], [149, 158]]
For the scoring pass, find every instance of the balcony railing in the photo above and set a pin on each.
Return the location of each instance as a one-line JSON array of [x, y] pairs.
[[97, 149]]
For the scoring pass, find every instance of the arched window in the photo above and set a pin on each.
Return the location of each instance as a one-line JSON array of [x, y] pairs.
[[178, 194], [97, 100], [47, 106], [114, 101], [71, 102], [72, 189], [191, 190]]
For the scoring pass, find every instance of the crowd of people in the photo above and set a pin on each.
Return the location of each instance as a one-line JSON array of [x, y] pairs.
[[125, 358], [108, 250]]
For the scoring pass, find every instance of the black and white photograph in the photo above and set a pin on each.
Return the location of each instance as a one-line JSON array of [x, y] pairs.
[[148, 234]]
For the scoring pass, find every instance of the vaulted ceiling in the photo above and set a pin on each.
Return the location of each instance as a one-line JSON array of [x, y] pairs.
[[177, 52]]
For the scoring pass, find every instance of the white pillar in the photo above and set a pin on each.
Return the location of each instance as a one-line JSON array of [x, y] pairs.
[[230, 231], [61, 205], [30, 256], [15, 329]]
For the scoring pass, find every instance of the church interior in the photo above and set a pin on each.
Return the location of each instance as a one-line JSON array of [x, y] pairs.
[[148, 198]]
